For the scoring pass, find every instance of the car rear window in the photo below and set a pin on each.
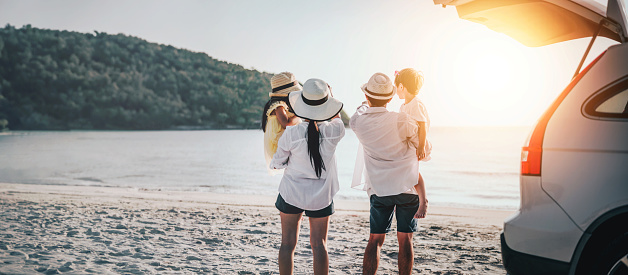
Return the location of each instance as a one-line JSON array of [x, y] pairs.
[[614, 105], [610, 102]]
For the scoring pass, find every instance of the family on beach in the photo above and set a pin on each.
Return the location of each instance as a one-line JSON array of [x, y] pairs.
[[302, 128]]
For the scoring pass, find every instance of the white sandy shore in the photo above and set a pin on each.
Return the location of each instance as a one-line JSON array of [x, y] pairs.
[[77, 230]]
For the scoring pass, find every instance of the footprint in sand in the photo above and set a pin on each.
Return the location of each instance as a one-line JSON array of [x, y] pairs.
[[248, 231], [121, 253], [89, 232], [66, 267], [193, 258], [102, 261]]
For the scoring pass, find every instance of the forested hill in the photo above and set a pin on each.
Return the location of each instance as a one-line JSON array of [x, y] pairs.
[[55, 80]]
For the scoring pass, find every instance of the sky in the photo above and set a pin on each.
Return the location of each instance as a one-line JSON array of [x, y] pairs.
[[473, 76]]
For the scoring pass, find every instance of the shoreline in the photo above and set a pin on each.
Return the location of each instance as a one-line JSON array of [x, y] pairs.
[[467, 215], [195, 189]]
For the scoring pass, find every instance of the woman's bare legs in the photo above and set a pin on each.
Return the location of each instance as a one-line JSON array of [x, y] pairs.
[[318, 241], [290, 224]]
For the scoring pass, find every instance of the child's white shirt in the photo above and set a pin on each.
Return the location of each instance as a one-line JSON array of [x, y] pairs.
[[416, 110]]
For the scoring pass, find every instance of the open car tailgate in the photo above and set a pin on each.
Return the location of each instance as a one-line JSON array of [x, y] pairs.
[[537, 23]]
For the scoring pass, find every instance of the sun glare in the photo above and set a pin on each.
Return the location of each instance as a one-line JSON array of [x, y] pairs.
[[487, 80], [491, 72]]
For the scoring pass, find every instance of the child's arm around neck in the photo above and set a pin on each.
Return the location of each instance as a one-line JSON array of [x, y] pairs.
[[283, 119]]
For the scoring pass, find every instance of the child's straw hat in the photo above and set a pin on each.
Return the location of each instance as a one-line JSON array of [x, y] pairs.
[[284, 83]]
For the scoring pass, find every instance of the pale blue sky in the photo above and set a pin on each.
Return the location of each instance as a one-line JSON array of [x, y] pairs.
[[474, 76]]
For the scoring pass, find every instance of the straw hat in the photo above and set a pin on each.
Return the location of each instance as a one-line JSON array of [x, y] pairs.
[[379, 87], [284, 83], [315, 102]]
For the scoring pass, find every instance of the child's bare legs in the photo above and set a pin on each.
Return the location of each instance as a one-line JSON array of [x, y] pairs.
[[420, 189]]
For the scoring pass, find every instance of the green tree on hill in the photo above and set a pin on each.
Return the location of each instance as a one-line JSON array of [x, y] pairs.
[[67, 80]]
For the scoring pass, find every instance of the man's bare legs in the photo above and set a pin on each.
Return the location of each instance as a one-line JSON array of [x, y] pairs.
[[406, 253], [371, 254]]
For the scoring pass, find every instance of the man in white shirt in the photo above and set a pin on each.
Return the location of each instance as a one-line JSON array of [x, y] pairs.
[[391, 171]]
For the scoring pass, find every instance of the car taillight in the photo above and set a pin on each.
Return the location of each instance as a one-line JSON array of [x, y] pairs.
[[532, 152]]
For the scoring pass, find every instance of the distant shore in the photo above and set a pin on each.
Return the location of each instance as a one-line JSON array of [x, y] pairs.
[[57, 229], [173, 128]]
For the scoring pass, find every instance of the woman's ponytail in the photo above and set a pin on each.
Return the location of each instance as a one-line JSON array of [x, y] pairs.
[[313, 148]]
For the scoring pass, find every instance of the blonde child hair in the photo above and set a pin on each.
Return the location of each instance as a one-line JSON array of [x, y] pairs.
[[411, 79]]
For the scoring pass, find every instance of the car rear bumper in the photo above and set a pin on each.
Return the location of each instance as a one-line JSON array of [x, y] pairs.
[[540, 227], [520, 263]]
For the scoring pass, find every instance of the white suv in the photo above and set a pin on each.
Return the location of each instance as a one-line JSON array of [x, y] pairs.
[[573, 217]]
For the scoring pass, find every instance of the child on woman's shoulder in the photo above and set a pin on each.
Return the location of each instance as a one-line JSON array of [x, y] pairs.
[[277, 114], [408, 82]]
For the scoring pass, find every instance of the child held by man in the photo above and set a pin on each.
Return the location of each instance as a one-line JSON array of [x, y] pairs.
[[409, 82]]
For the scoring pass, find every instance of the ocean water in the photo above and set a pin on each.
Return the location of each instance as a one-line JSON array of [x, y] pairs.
[[470, 167]]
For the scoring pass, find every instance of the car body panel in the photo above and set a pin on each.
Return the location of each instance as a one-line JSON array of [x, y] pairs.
[[585, 160]]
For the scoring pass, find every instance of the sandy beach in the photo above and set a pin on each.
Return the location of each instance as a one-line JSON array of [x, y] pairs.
[[76, 230]]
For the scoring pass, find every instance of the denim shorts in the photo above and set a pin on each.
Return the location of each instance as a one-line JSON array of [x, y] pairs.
[[404, 206], [287, 208]]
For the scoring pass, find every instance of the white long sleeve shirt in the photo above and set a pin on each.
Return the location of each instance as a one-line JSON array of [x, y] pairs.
[[389, 163], [300, 186]]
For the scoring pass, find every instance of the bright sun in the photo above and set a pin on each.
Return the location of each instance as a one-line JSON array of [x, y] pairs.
[[487, 80], [492, 72]]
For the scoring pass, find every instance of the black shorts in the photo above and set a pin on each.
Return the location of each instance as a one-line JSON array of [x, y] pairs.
[[287, 208], [382, 208]]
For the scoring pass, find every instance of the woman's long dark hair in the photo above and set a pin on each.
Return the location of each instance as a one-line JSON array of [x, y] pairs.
[[270, 102], [313, 148]]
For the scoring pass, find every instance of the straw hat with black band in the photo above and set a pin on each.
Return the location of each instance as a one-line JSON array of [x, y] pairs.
[[379, 87], [283, 83], [315, 102]]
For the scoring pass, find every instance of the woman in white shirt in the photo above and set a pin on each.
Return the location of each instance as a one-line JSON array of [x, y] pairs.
[[310, 180]]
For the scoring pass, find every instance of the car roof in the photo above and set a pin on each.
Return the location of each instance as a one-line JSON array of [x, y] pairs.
[[537, 23]]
